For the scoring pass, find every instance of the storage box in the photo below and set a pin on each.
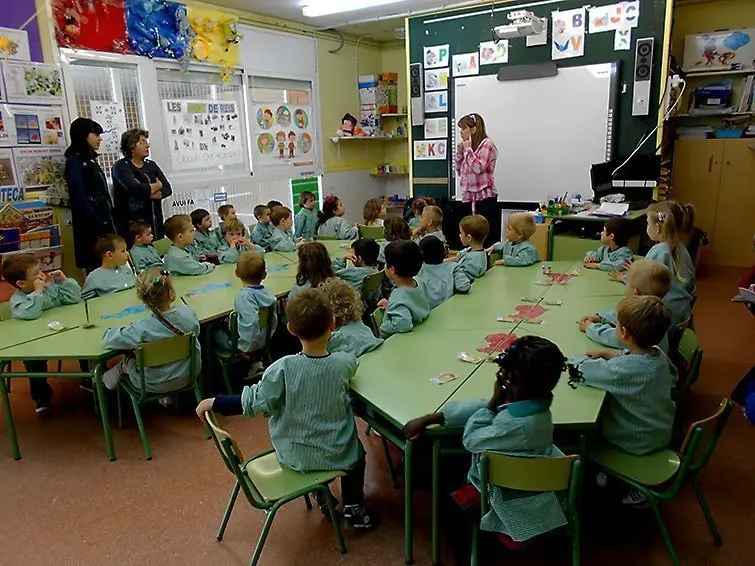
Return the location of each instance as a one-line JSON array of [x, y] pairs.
[[720, 50]]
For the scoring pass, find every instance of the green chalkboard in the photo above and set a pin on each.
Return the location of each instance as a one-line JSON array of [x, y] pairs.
[[464, 35]]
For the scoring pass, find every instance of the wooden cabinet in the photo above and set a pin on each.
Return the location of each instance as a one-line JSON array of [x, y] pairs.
[[718, 178]]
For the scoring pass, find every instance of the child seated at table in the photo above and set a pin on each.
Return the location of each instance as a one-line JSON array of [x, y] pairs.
[[271, 204], [374, 212], [155, 289], [34, 293], [178, 260], [639, 380], [206, 240], [282, 239], [473, 259], [440, 279], [351, 334], [234, 242], [143, 253], [249, 303], [516, 421], [363, 258], [394, 229], [517, 250], [407, 306], [225, 212], [305, 221], [263, 230], [115, 274], [332, 224], [306, 397], [418, 206], [644, 277], [314, 267], [430, 224], [613, 253]]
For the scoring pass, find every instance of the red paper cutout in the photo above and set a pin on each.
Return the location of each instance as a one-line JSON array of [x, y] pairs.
[[88, 24], [559, 278], [497, 343], [528, 312]]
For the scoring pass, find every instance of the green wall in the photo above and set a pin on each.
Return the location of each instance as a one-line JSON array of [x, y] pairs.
[[465, 34]]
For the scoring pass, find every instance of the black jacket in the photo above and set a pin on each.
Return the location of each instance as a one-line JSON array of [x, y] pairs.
[[131, 194]]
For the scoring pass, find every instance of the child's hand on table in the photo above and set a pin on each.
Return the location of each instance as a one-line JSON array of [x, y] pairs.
[[500, 262], [616, 275], [205, 406], [604, 354], [591, 265], [382, 303], [586, 321]]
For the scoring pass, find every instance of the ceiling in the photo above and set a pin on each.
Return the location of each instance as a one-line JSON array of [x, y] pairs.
[[376, 23]]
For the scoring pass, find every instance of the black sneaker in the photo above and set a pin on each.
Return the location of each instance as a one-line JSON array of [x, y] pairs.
[[43, 406], [358, 517]]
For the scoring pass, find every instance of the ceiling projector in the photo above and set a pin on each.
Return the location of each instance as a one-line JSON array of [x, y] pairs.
[[523, 23]]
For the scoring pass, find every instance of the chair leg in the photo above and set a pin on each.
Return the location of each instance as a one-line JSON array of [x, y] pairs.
[[263, 536], [228, 510], [119, 399], [474, 558], [655, 504], [198, 396], [391, 467], [307, 501], [140, 424], [330, 500], [576, 540], [226, 378], [717, 540]]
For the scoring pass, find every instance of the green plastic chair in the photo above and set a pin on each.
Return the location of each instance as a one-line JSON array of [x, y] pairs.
[[162, 246], [226, 358], [372, 287], [562, 475], [156, 354], [661, 475], [371, 232], [376, 318], [324, 238], [492, 258], [268, 486], [690, 357]]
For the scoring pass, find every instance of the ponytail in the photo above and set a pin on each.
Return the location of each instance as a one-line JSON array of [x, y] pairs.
[[672, 218], [329, 206], [154, 288]]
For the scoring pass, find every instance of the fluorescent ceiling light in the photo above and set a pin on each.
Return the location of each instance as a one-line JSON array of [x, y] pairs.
[[316, 8]]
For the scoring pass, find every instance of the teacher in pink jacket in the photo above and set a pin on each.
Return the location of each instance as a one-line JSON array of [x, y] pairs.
[[475, 161]]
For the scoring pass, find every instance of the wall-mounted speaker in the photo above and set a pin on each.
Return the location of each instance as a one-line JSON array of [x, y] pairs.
[[643, 72], [416, 93]]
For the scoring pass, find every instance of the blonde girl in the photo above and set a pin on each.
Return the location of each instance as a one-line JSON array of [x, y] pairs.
[[374, 212], [315, 266], [351, 334], [155, 289]]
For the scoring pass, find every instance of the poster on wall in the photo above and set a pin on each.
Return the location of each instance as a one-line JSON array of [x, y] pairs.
[[429, 150], [720, 50], [622, 39], [283, 134], [437, 56], [436, 79], [33, 83], [14, 45], [436, 128], [10, 188], [614, 16], [492, 52], [112, 118], [31, 125], [39, 169], [436, 101], [203, 134], [466, 64], [568, 36]]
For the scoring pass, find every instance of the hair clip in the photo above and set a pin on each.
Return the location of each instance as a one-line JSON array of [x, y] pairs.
[[661, 216], [164, 272]]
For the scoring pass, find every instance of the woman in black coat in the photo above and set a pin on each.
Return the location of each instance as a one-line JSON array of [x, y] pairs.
[[139, 185], [91, 207]]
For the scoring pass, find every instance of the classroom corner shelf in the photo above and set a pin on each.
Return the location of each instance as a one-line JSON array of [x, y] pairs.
[[389, 175], [398, 115], [722, 115], [692, 74]]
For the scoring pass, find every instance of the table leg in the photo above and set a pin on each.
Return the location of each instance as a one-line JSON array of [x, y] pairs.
[[9, 424], [408, 503], [436, 502], [103, 410]]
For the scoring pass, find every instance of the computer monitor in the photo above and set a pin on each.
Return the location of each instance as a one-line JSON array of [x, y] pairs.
[[636, 180]]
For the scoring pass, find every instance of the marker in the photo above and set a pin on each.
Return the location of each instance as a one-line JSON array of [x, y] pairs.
[[86, 311]]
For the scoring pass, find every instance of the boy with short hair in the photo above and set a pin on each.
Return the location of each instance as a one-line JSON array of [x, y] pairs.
[[517, 250], [273, 203], [178, 260], [114, 275], [430, 224], [143, 253], [306, 219], [234, 242], [441, 279], [646, 277], [225, 212], [263, 230], [614, 253], [407, 305], [282, 240], [206, 241], [34, 293], [639, 380], [473, 259], [307, 397], [363, 256], [249, 303]]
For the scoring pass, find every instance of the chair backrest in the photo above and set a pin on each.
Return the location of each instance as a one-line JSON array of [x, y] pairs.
[[162, 246], [702, 437], [233, 459], [163, 352], [324, 238], [492, 258], [371, 232], [377, 320], [266, 315], [689, 350], [371, 285], [5, 310]]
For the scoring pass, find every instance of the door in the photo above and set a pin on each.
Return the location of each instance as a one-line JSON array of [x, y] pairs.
[[696, 178], [732, 238]]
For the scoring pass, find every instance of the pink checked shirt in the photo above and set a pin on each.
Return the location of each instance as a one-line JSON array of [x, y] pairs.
[[476, 170]]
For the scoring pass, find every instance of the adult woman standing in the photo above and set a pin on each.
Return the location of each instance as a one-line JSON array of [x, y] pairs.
[[139, 185], [91, 207], [476, 157]]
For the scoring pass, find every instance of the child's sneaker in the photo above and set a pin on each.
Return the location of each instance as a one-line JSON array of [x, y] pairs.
[[43, 406], [635, 498], [165, 402], [360, 518]]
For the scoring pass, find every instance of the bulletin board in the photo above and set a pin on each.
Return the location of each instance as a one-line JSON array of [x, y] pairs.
[[463, 36]]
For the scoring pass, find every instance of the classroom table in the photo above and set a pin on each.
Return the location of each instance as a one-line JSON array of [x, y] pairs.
[[14, 331]]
